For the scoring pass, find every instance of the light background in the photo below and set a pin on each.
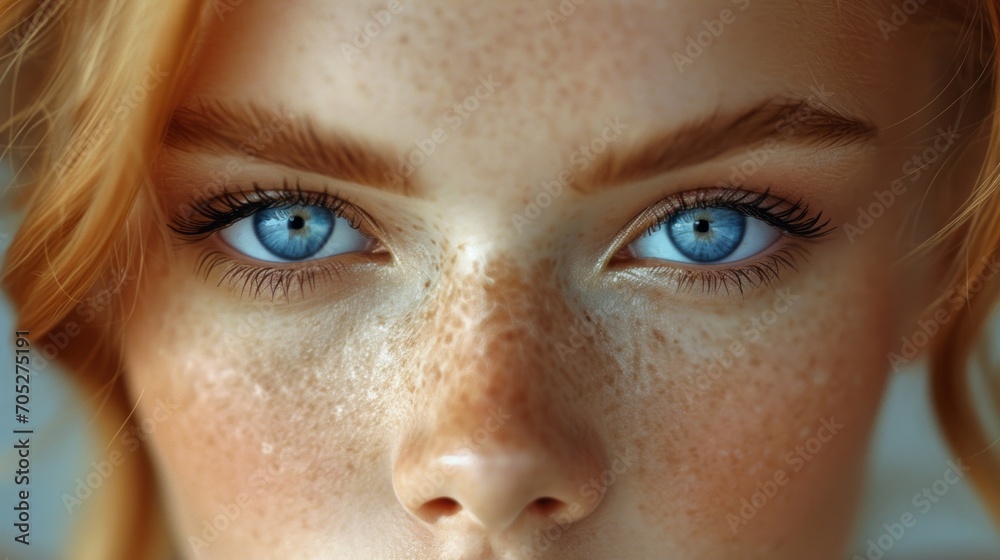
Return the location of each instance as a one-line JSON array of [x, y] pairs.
[[907, 456]]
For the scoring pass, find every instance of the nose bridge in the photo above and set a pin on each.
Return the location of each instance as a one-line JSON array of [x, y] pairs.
[[493, 344], [499, 429]]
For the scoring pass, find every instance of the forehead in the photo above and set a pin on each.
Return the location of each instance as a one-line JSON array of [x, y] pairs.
[[535, 78], [399, 53]]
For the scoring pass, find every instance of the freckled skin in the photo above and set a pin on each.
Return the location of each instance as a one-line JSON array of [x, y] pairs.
[[487, 391]]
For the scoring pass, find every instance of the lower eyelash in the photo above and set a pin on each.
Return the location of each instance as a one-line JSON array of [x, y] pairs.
[[764, 272], [253, 280]]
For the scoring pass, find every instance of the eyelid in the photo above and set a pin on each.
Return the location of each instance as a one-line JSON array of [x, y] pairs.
[[249, 277], [793, 219], [212, 213]]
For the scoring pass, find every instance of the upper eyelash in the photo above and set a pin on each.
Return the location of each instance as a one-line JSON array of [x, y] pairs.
[[213, 213], [793, 218]]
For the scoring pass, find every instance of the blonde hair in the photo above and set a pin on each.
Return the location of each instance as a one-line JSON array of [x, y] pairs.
[[86, 138], [978, 226], [86, 127]]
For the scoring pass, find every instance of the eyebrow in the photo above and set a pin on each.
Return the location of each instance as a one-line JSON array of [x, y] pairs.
[[770, 121], [284, 139]]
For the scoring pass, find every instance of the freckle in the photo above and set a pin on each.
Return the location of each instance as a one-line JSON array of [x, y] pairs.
[[659, 336], [427, 284]]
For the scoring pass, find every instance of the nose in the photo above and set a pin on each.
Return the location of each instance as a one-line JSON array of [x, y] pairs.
[[495, 488], [504, 433]]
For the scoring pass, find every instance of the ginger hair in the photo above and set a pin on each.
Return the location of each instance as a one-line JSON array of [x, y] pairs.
[[83, 143]]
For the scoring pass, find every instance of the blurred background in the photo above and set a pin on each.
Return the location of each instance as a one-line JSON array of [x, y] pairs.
[[907, 456]]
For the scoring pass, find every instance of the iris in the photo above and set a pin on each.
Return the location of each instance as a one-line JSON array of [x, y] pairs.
[[294, 232], [707, 234]]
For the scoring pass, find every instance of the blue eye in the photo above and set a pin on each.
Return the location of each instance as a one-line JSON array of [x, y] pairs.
[[294, 233], [708, 235]]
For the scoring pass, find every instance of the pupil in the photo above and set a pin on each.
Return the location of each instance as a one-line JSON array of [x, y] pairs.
[[296, 222], [702, 226]]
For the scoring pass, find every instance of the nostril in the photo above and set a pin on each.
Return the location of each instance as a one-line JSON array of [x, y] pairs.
[[546, 506], [439, 507]]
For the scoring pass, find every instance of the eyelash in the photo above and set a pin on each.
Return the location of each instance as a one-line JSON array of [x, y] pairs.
[[253, 279], [210, 214], [213, 213], [216, 212], [793, 219]]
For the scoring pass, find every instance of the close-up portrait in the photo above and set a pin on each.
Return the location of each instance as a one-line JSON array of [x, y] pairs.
[[507, 280]]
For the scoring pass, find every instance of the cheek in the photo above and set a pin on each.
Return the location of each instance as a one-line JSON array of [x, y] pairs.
[[751, 414], [276, 421], [736, 418]]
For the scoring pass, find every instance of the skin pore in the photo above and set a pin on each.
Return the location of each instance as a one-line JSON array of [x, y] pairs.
[[498, 374]]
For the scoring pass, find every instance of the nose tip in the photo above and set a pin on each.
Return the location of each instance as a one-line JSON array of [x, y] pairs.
[[493, 492]]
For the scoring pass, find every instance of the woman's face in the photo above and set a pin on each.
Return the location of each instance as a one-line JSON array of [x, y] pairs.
[[532, 279]]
